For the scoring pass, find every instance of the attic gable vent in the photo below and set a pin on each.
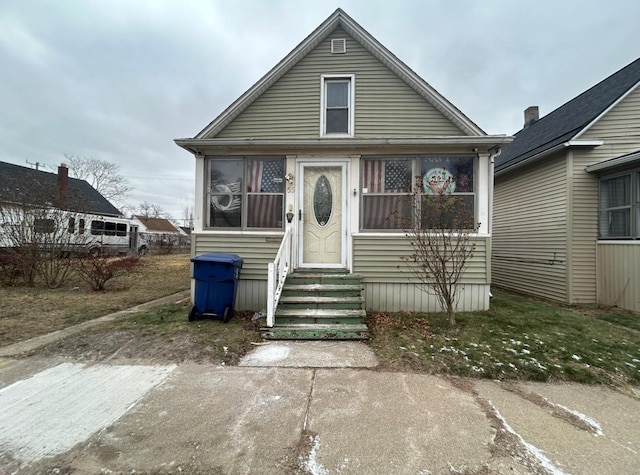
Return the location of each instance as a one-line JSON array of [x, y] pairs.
[[338, 45]]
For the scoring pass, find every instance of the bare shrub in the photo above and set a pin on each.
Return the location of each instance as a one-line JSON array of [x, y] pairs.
[[37, 239], [440, 228], [10, 270], [98, 270]]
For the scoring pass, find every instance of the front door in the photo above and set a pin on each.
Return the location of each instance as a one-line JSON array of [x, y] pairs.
[[322, 215]]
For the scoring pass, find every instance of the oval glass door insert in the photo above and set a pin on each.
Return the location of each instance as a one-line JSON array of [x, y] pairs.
[[322, 201]]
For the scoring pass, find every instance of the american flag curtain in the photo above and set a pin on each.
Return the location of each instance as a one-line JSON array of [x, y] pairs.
[[264, 209], [385, 176]]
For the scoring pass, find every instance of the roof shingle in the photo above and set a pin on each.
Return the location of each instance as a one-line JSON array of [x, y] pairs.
[[568, 120], [22, 185]]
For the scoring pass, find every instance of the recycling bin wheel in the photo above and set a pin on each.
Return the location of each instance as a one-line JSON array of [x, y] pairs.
[[193, 313], [227, 314]]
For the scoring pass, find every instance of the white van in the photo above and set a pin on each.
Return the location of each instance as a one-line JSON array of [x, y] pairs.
[[111, 236]]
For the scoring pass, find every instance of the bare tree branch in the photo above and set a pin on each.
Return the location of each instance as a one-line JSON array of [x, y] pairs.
[[104, 176], [187, 215], [151, 210]]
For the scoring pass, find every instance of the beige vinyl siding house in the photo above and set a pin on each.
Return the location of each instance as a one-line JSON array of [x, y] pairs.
[[342, 118], [548, 194], [385, 105]]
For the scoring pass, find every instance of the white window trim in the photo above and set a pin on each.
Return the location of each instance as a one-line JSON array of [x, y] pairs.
[[633, 206], [352, 86], [478, 193]]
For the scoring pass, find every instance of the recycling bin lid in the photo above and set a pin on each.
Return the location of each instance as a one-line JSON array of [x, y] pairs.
[[218, 257]]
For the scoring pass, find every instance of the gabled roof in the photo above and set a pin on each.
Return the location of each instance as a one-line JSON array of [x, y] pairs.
[[25, 186], [571, 120], [160, 225], [340, 19]]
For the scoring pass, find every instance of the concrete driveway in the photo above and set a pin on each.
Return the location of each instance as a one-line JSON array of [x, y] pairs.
[[314, 407]]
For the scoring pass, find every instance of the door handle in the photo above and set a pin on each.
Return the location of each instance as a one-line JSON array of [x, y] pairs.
[[299, 215]]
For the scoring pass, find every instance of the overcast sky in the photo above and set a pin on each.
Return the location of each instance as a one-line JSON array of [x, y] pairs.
[[118, 80]]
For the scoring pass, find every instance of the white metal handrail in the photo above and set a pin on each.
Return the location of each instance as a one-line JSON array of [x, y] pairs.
[[277, 274]]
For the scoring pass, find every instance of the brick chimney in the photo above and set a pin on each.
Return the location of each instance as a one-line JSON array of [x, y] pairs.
[[531, 114], [63, 186]]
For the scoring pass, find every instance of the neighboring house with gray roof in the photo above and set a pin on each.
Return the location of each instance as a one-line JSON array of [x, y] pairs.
[[55, 210], [567, 199], [159, 231], [22, 186]]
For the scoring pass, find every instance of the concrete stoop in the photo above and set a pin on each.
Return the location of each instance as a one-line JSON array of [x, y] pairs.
[[320, 306]]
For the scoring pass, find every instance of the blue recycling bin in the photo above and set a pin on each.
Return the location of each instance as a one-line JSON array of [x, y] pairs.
[[216, 285]]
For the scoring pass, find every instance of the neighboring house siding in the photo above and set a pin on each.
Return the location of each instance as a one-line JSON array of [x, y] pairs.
[[619, 274], [385, 106], [256, 251], [529, 229], [583, 196], [619, 128]]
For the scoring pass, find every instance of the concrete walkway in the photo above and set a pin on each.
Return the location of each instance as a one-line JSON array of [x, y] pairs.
[[304, 407]]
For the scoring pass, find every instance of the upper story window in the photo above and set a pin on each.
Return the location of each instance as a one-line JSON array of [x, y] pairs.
[[245, 192], [619, 216], [337, 111], [439, 191]]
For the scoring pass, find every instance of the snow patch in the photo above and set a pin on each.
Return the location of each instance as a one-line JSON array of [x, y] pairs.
[[597, 429], [311, 464], [531, 449], [270, 354]]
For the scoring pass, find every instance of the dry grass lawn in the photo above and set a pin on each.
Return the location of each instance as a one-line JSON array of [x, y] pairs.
[[28, 312]]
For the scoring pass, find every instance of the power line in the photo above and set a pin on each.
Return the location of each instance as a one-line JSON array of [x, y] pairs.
[[158, 177]]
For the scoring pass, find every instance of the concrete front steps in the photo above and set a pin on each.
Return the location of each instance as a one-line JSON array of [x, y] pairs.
[[320, 306]]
